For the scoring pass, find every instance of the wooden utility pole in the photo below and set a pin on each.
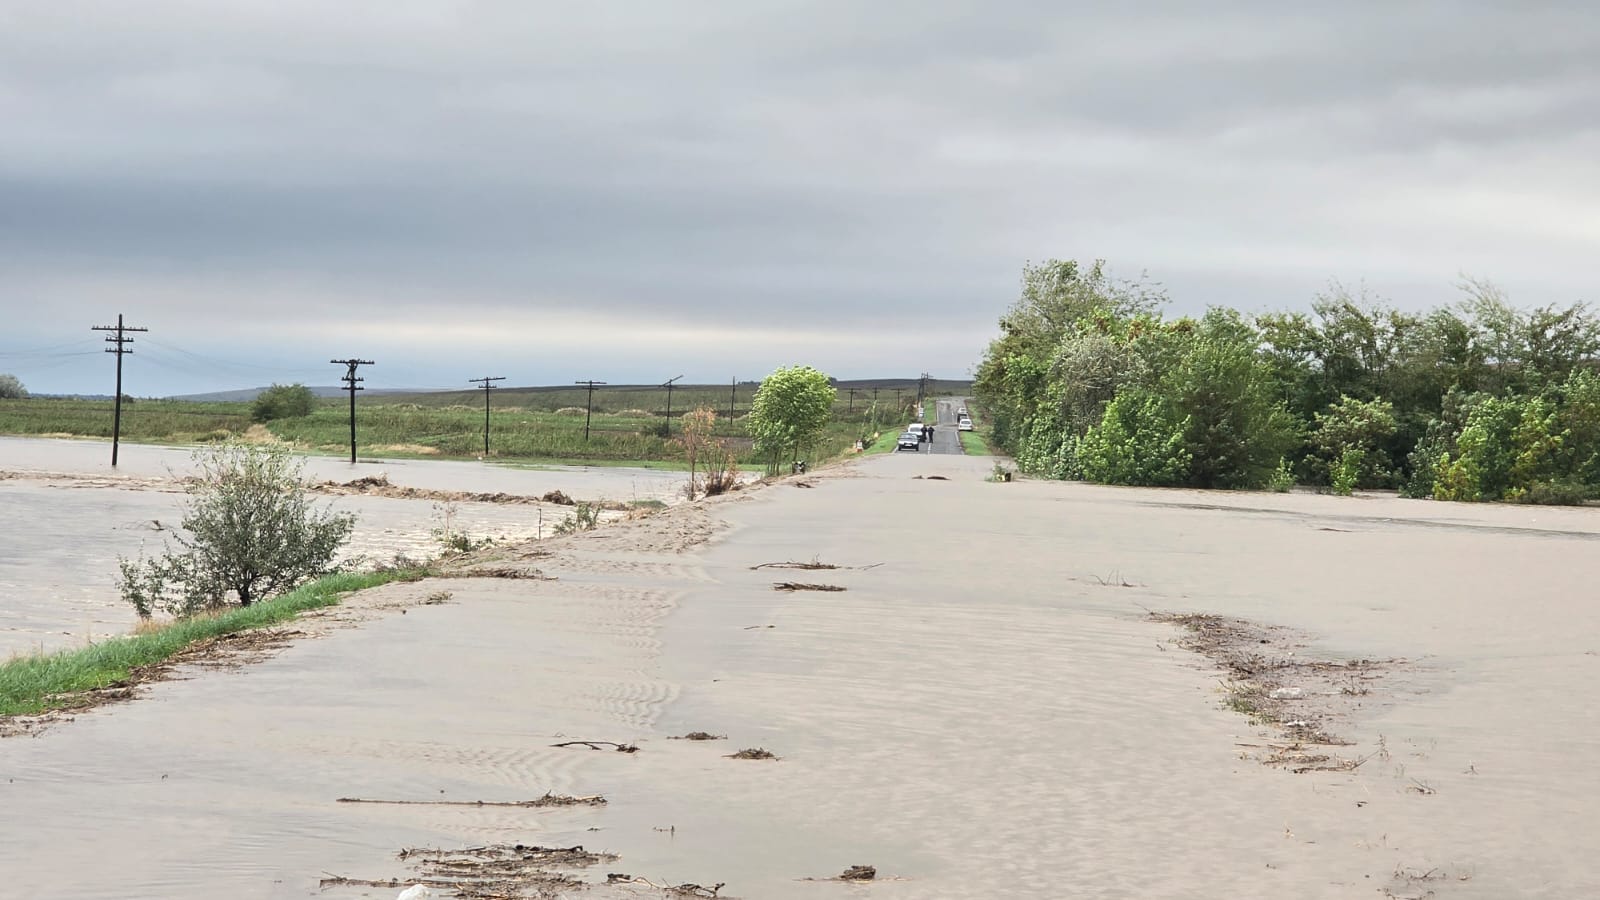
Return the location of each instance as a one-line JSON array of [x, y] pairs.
[[733, 398], [488, 382], [119, 345], [352, 384], [588, 410], [668, 385]]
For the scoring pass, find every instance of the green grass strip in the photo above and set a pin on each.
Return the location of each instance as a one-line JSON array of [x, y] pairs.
[[35, 684], [973, 444]]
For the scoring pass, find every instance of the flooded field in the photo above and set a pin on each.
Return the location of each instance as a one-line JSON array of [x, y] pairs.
[[67, 516]]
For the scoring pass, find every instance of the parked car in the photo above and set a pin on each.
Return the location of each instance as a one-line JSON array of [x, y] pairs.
[[911, 440], [962, 412], [964, 425]]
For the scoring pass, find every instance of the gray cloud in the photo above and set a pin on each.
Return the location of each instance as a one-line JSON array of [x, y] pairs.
[[823, 182]]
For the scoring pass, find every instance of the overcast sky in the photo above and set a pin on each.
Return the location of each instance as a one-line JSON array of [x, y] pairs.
[[630, 191]]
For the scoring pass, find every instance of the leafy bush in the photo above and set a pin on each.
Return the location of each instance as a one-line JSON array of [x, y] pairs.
[[252, 534], [1549, 493], [1355, 430], [11, 388], [585, 517], [1138, 441], [1346, 472], [1282, 480], [282, 401]]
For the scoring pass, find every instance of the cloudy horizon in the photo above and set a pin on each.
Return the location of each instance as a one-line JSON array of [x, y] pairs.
[[630, 191]]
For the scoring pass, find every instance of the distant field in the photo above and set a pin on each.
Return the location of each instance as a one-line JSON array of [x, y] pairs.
[[537, 424]]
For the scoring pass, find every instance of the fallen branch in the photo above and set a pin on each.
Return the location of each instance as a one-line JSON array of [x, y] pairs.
[[687, 889], [802, 586], [814, 564], [546, 800], [600, 745], [496, 572]]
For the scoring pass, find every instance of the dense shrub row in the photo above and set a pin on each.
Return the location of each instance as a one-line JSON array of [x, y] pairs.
[[1476, 401]]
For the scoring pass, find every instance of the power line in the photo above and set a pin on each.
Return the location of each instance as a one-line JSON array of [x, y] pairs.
[[588, 409], [350, 384], [119, 342], [488, 383]]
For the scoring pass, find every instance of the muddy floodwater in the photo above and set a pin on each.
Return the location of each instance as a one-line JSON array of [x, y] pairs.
[[67, 516], [1020, 690]]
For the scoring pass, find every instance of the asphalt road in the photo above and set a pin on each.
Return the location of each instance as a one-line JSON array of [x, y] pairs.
[[946, 439]]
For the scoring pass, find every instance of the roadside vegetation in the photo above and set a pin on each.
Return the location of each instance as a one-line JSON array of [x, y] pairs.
[[1479, 400], [30, 685], [249, 532], [535, 425]]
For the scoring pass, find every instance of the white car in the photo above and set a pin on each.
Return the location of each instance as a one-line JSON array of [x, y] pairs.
[[964, 425]]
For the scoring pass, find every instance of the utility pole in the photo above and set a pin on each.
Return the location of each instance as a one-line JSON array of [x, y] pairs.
[[733, 398], [668, 385], [119, 345], [488, 382], [352, 384], [852, 399], [589, 408]]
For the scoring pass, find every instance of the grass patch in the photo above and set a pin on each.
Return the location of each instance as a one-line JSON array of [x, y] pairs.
[[35, 684], [885, 443], [973, 444]]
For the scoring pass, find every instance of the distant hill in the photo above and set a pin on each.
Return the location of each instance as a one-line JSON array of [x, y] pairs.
[[940, 386], [248, 394]]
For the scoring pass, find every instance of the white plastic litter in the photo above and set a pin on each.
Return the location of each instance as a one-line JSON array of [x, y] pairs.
[[1288, 694], [415, 892]]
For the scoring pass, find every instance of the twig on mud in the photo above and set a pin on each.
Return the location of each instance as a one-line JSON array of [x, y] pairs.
[[803, 586], [546, 800], [1116, 580], [687, 889], [600, 745], [814, 564], [496, 572]]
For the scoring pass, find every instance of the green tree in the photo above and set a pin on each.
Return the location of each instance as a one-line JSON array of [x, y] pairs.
[[1140, 440], [1237, 428], [1350, 436], [11, 388], [251, 534], [282, 401], [790, 410]]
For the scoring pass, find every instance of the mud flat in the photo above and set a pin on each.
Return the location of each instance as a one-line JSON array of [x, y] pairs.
[[1023, 690]]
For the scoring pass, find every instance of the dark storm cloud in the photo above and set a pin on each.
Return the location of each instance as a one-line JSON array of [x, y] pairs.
[[875, 169]]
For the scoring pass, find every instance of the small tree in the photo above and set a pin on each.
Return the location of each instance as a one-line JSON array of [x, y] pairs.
[[252, 534], [11, 388], [696, 439], [790, 409], [282, 401]]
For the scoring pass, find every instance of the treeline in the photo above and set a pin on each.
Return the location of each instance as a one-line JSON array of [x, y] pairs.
[[1475, 401]]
